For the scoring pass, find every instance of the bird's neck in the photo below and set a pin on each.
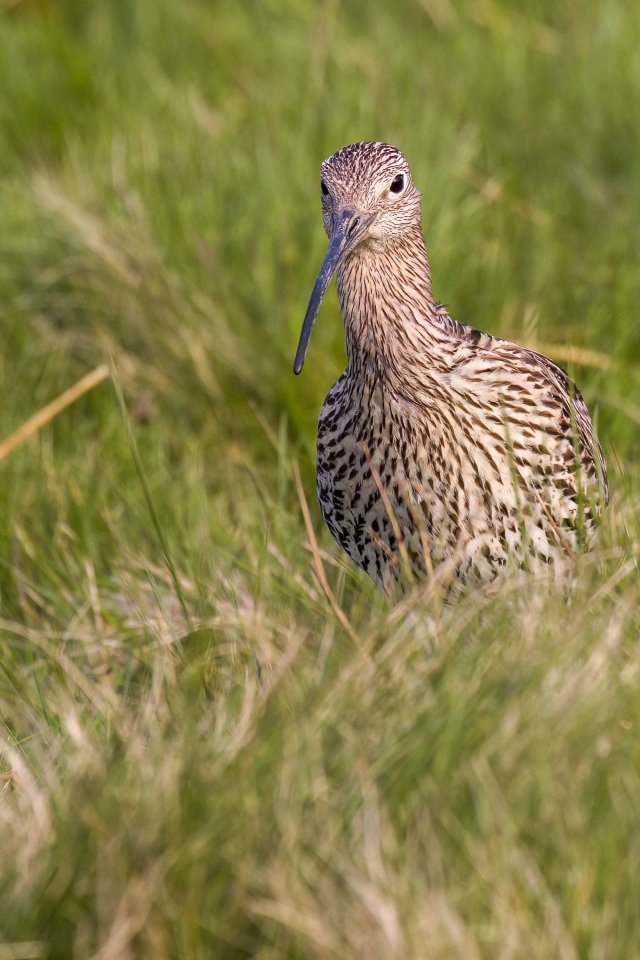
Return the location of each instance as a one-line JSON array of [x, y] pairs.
[[387, 305]]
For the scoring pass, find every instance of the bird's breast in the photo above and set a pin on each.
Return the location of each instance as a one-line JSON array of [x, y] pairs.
[[370, 482]]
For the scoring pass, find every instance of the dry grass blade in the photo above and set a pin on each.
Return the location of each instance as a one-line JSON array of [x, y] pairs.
[[51, 410], [27, 950], [568, 353]]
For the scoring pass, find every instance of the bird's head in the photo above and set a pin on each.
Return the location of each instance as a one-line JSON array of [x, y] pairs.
[[368, 197], [368, 187]]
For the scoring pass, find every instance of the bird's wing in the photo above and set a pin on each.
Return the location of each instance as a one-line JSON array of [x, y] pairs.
[[592, 456], [551, 393]]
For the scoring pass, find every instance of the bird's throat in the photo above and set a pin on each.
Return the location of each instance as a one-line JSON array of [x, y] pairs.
[[386, 302]]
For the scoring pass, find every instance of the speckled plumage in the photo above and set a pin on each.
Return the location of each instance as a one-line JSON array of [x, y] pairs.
[[438, 442]]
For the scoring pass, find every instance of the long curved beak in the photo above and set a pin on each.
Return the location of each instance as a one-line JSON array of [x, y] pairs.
[[348, 230]]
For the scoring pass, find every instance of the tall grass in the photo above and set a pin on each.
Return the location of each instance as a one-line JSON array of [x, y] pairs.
[[217, 739]]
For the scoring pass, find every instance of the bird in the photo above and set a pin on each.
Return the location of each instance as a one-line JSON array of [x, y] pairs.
[[439, 446]]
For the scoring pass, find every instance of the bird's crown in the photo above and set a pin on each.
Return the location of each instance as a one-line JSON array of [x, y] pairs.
[[368, 165]]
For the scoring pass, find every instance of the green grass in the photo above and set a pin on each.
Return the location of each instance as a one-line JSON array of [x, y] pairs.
[[200, 756]]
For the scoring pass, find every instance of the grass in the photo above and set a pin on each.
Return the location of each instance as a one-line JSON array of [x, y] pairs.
[[203, 752]]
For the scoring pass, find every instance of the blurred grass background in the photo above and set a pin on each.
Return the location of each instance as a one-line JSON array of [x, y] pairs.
[[199, 757]]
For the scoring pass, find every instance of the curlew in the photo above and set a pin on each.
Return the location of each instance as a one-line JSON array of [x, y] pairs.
[[438, 443]]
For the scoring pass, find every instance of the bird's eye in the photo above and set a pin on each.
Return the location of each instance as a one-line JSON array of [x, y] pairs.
[[324, 189], [397, 184]]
